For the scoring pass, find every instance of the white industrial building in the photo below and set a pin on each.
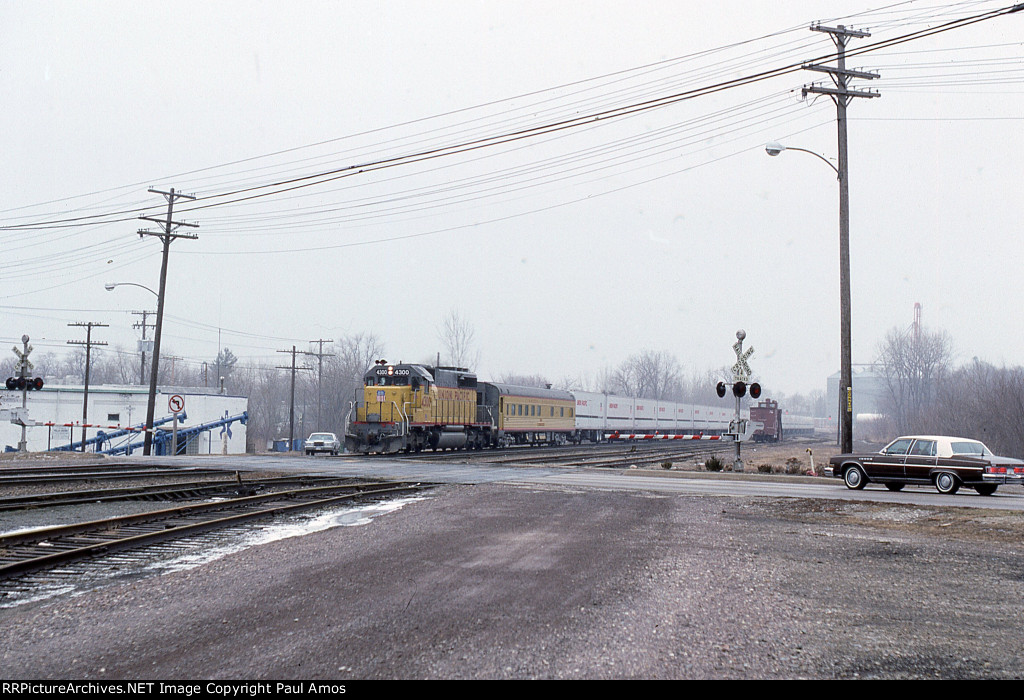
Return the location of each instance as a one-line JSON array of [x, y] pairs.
[[209, 422]]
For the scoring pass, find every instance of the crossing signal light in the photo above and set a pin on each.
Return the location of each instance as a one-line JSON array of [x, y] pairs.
[[22, 383], [720, 389], [755, 391], [739, 389]]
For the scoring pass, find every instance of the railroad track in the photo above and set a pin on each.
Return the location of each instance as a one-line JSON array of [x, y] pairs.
[[172, 491], [98, 472], [60, 549], [601, 456]]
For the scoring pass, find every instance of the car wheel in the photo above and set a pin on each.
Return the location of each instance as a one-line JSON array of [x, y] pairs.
[[894, 486], [854, 478], [986, 489], [946, 483]]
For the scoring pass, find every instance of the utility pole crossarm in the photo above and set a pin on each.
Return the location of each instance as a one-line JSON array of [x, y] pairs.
[[842, 92], [169, 225], [841, 31], [844, 72]]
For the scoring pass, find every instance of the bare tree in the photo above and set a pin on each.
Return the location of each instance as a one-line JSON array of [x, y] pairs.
[[983, 402], [266, 388], [649, 375], [343, 374], [699, 386], [457, 337], [913, 365], [534, 380]]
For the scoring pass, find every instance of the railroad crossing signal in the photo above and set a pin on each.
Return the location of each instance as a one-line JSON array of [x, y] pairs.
[[24, 383], [739, 389], [741, 370], [23, 365]]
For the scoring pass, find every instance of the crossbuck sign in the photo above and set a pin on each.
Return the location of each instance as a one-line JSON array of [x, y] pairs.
[[741, 370]]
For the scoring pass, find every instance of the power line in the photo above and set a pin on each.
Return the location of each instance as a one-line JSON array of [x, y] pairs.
[[281, 186]]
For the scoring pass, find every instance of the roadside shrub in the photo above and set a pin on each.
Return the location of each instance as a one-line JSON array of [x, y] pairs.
[[793, 466], [764, 468], [666, 465], [713, 464]]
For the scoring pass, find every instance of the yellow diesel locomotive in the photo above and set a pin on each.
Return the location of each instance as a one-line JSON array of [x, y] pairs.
[[411, 407]]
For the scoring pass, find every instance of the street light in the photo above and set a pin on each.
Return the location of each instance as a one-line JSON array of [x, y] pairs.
[[109, 286], [151, 401], [775, 148], [846, 360]]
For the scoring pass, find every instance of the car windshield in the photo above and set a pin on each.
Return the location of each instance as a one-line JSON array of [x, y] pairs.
[[969, 447], [321, 436]]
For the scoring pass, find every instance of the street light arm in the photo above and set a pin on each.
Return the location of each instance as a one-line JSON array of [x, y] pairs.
[[109, 286], [774, 149]]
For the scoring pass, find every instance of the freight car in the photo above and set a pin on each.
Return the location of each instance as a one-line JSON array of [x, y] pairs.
[[411, 407], [778, 424]]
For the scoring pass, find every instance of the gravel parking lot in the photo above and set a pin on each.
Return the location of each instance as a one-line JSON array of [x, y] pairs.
[[512, 582]]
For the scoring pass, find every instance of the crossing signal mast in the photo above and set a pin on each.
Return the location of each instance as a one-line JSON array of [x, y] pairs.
[[740, 429], [24, 384]]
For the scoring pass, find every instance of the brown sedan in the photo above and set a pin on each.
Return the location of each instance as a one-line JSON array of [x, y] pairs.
[[944, 462]]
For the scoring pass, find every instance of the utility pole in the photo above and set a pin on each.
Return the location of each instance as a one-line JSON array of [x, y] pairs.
[[291, 419], [174, 359], [841, 94], [320, 375], [142, 344], [88, 343], [168, 234]]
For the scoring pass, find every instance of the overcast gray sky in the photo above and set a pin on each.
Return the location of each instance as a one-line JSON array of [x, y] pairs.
[[666, 230]]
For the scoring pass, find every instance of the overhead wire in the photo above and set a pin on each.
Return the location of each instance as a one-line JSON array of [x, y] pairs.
[[472, 188], [279, 186]]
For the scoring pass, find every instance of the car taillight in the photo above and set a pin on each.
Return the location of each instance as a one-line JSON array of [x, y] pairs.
[[996, 470], [1018, 470]]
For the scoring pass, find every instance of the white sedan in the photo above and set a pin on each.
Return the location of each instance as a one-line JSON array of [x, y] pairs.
[[322, 442]]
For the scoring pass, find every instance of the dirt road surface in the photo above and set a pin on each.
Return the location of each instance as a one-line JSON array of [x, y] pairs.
[[512, 582]]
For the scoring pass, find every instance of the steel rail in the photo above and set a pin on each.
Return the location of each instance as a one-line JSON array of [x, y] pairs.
[[85, 540]]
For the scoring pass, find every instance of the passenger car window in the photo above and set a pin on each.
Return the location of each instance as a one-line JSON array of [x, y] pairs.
[[923, 448]]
